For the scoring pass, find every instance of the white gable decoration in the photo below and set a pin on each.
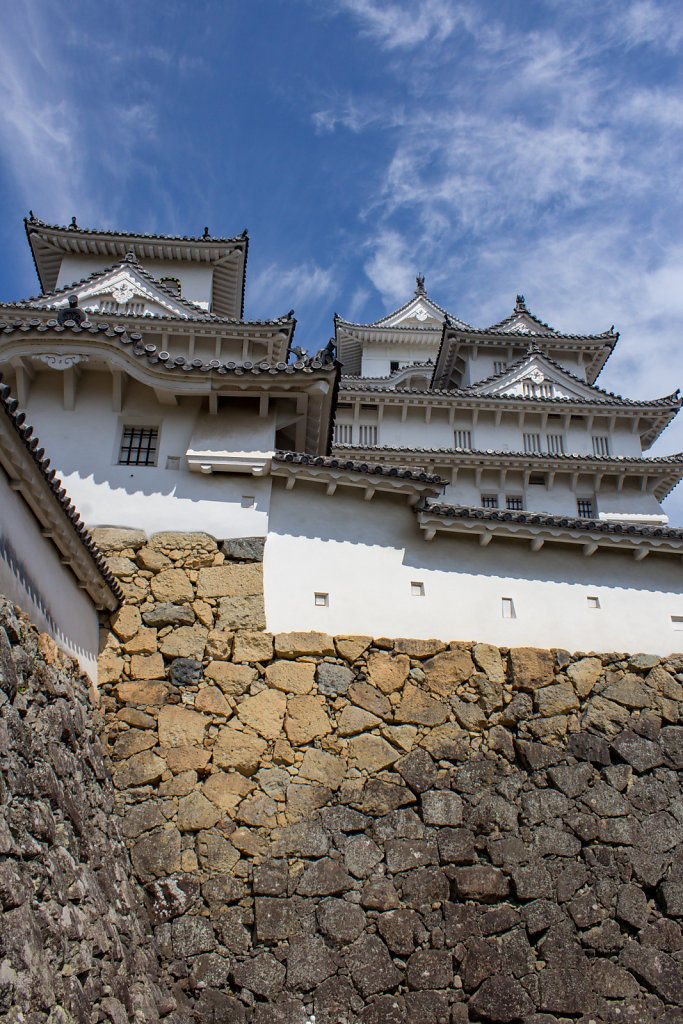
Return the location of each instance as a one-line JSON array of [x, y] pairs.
[[537, 378]]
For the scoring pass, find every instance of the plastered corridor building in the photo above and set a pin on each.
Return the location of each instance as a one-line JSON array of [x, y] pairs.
[[418, 477]]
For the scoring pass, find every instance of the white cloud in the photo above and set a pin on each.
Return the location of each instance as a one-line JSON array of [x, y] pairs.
[[274, 289], [404, 26]]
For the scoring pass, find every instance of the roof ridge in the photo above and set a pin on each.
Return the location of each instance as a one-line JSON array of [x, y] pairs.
[[35, 222]]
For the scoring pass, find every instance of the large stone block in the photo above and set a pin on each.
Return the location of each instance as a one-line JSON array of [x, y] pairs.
[[253, 646], [226, 789], [146, 692], [291, 676], [147, 666], [144, 642], [185, 642], [446, 672], [179, 726], [388, 672], [488, 659], [319, 766], [139, 770], [109, 668], [172, 586], [211, 700], [232, 679], [264, 712], [371, 753], [126, 622], [196, 812], [240, 750], [157, 855], [244, 549], [109, 539], [169, 615], [306, 719], [238, 580], [351, 647], [530, 668], [241, 613], [418, 708], [584, 674], [293, 645]]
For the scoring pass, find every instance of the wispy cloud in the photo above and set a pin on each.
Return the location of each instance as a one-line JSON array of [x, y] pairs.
[[404, 26], [276, 287]]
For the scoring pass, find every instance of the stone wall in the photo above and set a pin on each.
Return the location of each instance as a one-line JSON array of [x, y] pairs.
[[379, 831], [75, 938]]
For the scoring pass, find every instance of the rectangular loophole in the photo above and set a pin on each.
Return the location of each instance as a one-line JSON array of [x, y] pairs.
[[248, 501], [417, 589], [593, 602], [677, 621], [508, 608], [321, 600], [173, 462]]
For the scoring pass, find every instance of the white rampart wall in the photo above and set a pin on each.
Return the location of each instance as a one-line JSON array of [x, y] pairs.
[[366, 556], [33, 577]]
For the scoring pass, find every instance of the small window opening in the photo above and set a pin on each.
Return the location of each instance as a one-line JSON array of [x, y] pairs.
[[514, 502], [508, 608], [321, 600], [489, 501], [593, 602], [394, 365], [173, 462], [677, 621], [248, 501], [139, 446], [537, 479], [463, 439], [584, 507], [417, 589]]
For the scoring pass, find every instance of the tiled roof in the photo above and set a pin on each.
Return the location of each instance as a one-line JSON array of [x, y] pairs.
[[11, 408], [352, 466], [676, 459], [546, 519], [196, 312], [35, 222], [155, 355]]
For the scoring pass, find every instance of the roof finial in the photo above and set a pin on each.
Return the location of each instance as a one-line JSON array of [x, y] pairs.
[[72, 314], [73, 223], [520, 305], [130, 257], [206, 233], [420, 290]]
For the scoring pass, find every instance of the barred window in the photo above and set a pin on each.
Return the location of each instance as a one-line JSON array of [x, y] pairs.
[[489, 501], [367, 433], [342, 433], [555, 444], [514, 502], [532, 443], [463, 439], [600, 444], [139, 446], [584, 507]]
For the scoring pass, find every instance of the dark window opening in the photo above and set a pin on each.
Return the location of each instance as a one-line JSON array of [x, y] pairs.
[[139, 446]]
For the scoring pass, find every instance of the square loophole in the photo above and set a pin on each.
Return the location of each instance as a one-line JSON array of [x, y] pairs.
[[173, 462], [593, 602], [321, 600], [677, 621], [417, 589], [508, 608], [248, 501]]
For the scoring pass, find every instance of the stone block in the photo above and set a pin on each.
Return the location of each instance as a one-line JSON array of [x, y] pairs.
[[447, 742], [226, 789], [354, 720], [144, 642], [481, 882], [432, 969], [350, 648], [147, 667], [446, 672], [178, 726], [370, 699], [441, 807], [584, 674], [309, 962], [276, 919], [388, 672], [306, 719], [185, 642], [406, 854], [259, 811], [244, 549], [146, 693], [157, 855], [263, 975], [418, 648], [151, 560], [487, 658], [168, 615], [172, 586], [324, 878], [530, 668], [231, 580], [210, 700], [109, 668], [264, 712], [340, 921], [215, 853], [560, 699], [333, 680], [110, 539], [241, 613], [319, 766], [240, 750], [371, 753], [219, 644], [291, 676], [294, 645], [470, 716], [126, 622], [133, 742], [418, 708], [233, 680], [502, 999], [187, 758], [196, 812], [185, 671], [253, 646]]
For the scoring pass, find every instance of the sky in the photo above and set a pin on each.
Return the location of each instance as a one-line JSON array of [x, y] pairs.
[[495, 146]]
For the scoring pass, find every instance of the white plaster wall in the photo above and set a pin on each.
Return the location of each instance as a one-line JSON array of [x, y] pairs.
[[83, 445], [33, 577], [378, 356], [366, 554], [196, 281]]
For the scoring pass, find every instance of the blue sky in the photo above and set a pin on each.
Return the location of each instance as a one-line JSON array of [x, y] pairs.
[[527, 146]]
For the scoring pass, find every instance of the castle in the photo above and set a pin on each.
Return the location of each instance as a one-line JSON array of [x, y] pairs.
[[416, 476]]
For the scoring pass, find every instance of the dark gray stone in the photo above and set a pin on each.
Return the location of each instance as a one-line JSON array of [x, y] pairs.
[[185, 671], [671, 739], [586, 747], [632, 905], [262, 974], [333, 680], [401, 930], [340, 921], [276, 919], [309, 963], [643, 755], [371, 967], [430, 969], [168, 615], [244, 549], [406, 854], [324, 878], [418, 770], [192, 935], [502, 1000], [655, 969], [565, 991]]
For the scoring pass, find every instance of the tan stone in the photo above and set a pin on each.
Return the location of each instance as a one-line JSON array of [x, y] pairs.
[[660, 680], [121, 566], [215, 853], [232, 679], [178, 726], [259, 811], [240, 750], [147, 667], [179, 785], [371, 753], [145, 693], [351, 647], [144, 642], [605, 716], [446, 672], [246, 841], [219, 644], [319, 766], [369, 698], [418, 648], [470, 716], [545, 729], [109, 668], [402, 736], [668, 709], [126, 622], [185, 642], [211, 700], [172, 586], [584, 674], [134, 592], [354, 720], [195, 812], [291, 676], [153, 561], [139, 770], [488, 659], [231, 580], [303, 799], [241, 612], [264, 712], [133, 742], [204, 613], [253, 646], [283, 753], [187, 758], [556, 700], [447, 742], [418, 708], [226, 789], [306, 719], [531, 668], [388, 672], [110, 538], [192, 549], [293, 645]]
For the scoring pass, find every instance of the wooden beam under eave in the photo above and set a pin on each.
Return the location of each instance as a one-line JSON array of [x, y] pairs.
[[263, 404], [69, 388], [589, 549], [213, 403], [537, 543], [640, 553], [24, 376], [117, 391], [485, 538], [165, 397]]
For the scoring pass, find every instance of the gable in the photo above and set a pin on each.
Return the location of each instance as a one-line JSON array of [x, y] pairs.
[[521, 323], [537, 378], [419, 312]]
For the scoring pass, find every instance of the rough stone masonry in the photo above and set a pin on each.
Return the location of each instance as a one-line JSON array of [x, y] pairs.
[[364, 830]]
